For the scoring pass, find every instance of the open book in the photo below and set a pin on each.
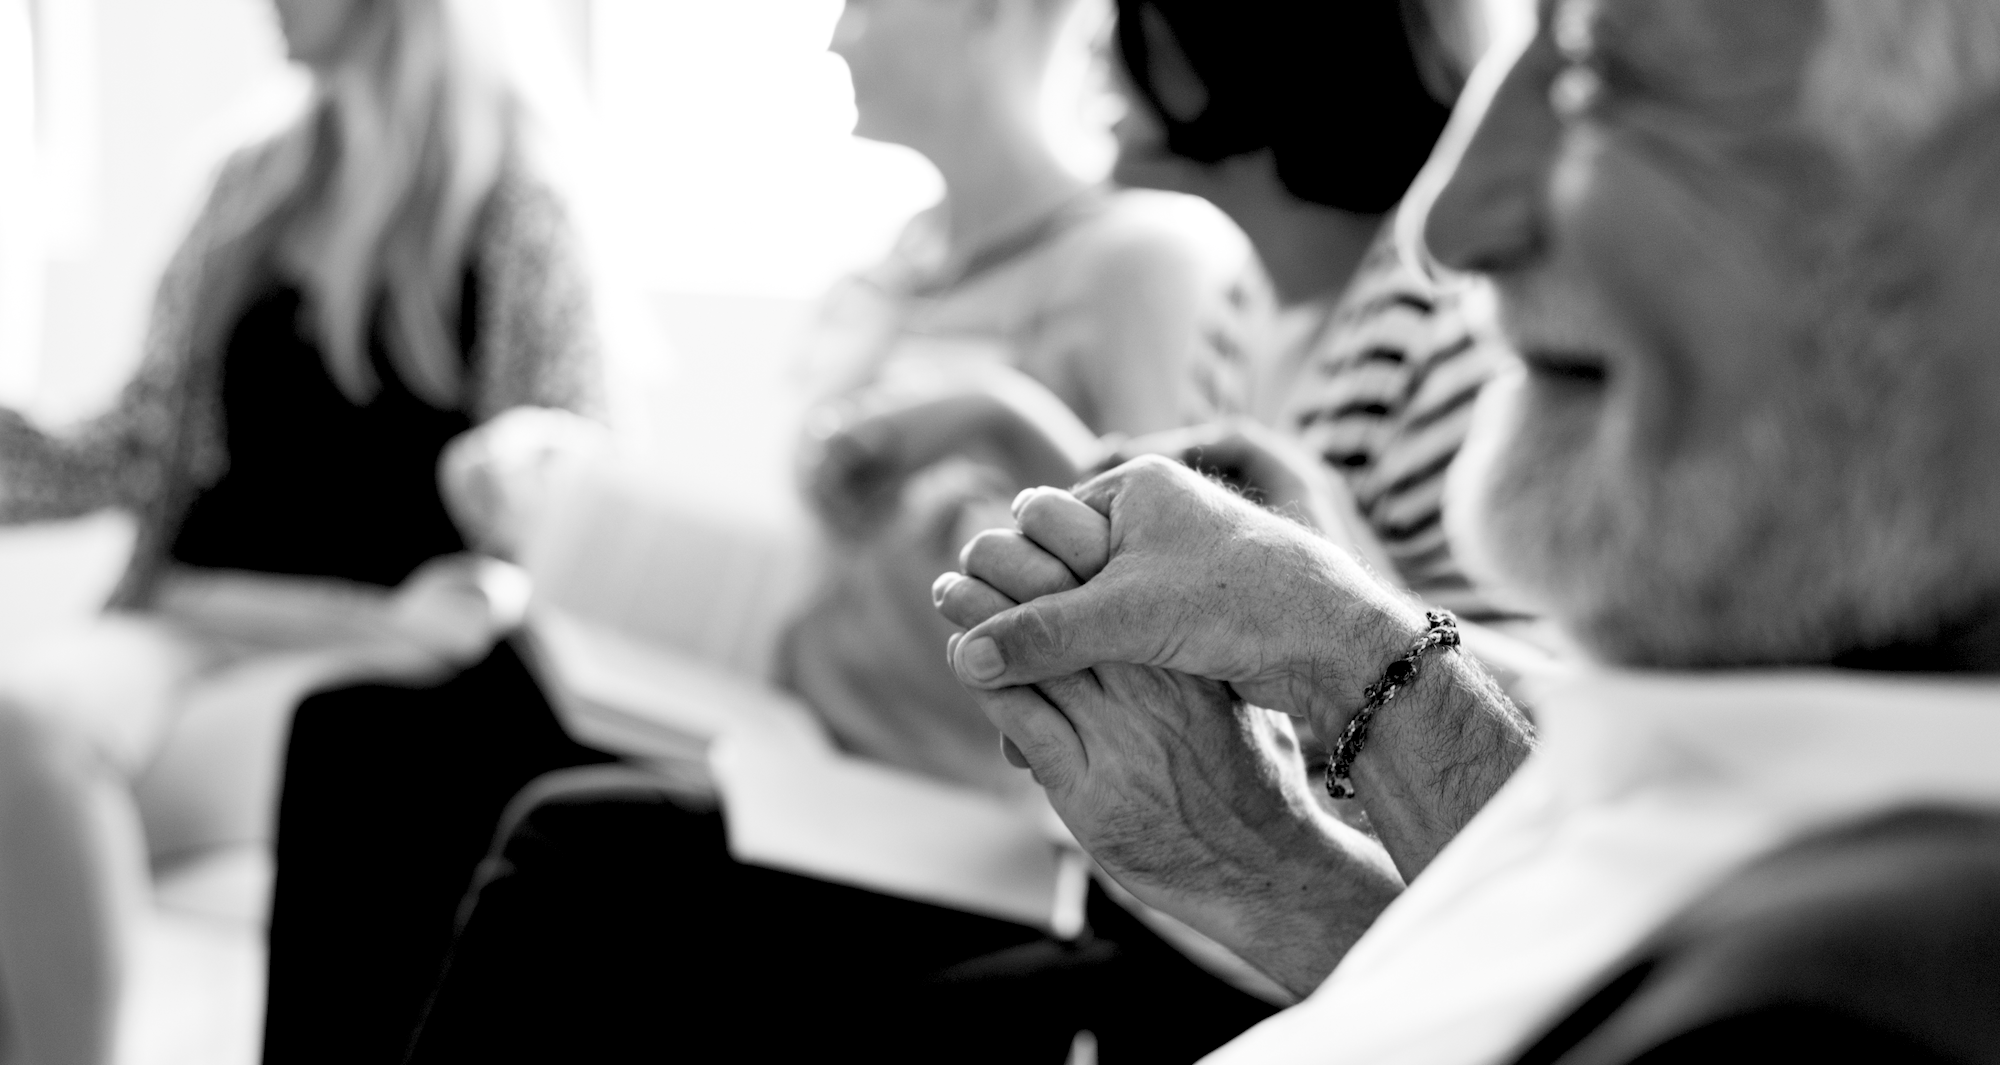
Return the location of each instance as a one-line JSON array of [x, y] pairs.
[[653, 633]]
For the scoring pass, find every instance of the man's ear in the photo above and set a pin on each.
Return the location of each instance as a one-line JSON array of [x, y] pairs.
[[1177, 87]]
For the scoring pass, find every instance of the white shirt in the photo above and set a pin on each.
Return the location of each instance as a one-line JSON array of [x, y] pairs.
[[1647, 790], [1051, 299]]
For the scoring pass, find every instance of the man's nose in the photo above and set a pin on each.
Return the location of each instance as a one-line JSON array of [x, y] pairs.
[[1489, 215]]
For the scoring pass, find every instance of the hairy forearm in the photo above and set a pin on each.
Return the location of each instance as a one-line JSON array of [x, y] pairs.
[[1301, 912], [1435, 755]]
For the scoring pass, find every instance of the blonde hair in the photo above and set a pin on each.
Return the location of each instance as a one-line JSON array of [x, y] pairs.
[[405, 140]]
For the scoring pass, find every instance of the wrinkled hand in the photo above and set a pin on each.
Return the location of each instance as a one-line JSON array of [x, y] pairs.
[[1272, 470], [496, 479], [455, 607], [862, 448], [1196, 580], [1195, 802]]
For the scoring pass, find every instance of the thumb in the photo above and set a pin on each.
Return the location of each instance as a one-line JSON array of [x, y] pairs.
[[1053, 636]]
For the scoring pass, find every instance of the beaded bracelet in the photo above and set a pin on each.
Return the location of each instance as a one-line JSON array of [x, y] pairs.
[[1442, 634]]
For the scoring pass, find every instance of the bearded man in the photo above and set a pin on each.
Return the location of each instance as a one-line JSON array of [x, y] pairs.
[[1746, 252]]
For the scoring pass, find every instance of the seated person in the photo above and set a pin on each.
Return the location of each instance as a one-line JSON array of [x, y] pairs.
[[1743, 466], [1370, 376], [1027, 288], [336, 314], [568, 886], [1373, 368]]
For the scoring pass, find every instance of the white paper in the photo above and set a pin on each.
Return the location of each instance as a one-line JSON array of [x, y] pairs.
[[641, 699], [656, 614], [842, 819], [792, 801], [714, 576]]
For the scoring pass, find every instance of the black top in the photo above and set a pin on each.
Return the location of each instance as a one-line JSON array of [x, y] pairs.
[[317, 486]]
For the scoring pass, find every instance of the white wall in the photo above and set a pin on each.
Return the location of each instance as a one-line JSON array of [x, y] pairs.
[[727, 127], [20, 237], [173, 80], [729, 138]]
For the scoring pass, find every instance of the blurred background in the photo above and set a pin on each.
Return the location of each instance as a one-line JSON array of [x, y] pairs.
[[721, 145], [720, 150], [723, 134]]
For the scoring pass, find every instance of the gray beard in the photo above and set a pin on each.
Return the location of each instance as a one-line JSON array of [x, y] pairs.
[[1801, 539]]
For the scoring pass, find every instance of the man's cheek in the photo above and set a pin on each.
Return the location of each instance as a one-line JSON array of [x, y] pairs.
[[1469, 498]]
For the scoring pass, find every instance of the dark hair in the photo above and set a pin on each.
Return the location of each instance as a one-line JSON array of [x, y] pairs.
[[1334, 88]]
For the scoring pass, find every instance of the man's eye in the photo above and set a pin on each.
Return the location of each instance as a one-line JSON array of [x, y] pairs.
[[1575, 92]]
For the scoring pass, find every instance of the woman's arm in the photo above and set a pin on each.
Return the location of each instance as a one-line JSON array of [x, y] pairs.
[[537, 382], [540, 337], [862, 449], [166, 426], [445, 615], [124, 457]]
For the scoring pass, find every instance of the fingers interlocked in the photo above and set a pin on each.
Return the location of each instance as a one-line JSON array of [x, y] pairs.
[[1061, 543]]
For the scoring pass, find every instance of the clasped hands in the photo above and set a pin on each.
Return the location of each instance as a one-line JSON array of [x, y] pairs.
[[1123, 639]]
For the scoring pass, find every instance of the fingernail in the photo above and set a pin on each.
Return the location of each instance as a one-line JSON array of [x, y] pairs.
[[951, 647], [941, 586], [1021, 500], [981, 659]]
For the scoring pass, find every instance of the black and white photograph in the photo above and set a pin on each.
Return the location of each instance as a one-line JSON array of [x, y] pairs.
[[1031, 532]]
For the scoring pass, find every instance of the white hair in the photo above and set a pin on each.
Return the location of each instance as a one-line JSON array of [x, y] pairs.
[[1888, 71]]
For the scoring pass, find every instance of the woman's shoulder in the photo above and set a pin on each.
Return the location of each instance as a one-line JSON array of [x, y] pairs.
[[1131, 227], [255, 178]]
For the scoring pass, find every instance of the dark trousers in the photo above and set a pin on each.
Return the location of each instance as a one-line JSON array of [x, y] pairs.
[[613, 926], [391, 797]]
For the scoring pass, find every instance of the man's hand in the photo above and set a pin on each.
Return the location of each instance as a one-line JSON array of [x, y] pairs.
[[1196, 802], [1189, 577], [1274, 471], [1192, 578]]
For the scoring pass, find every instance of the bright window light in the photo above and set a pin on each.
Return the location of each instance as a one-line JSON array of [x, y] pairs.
[[726, 126]]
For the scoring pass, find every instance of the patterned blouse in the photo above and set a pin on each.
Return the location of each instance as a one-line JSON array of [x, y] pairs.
[[1380, 383], [162, 442]]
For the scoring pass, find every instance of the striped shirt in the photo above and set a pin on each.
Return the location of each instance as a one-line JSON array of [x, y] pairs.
[[1380, 383]]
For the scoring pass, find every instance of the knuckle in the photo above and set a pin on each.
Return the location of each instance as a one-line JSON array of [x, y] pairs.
[[985, 551], [952, 602], [1038, 633], [970, 602], [1149, 469], [1039, 509]]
